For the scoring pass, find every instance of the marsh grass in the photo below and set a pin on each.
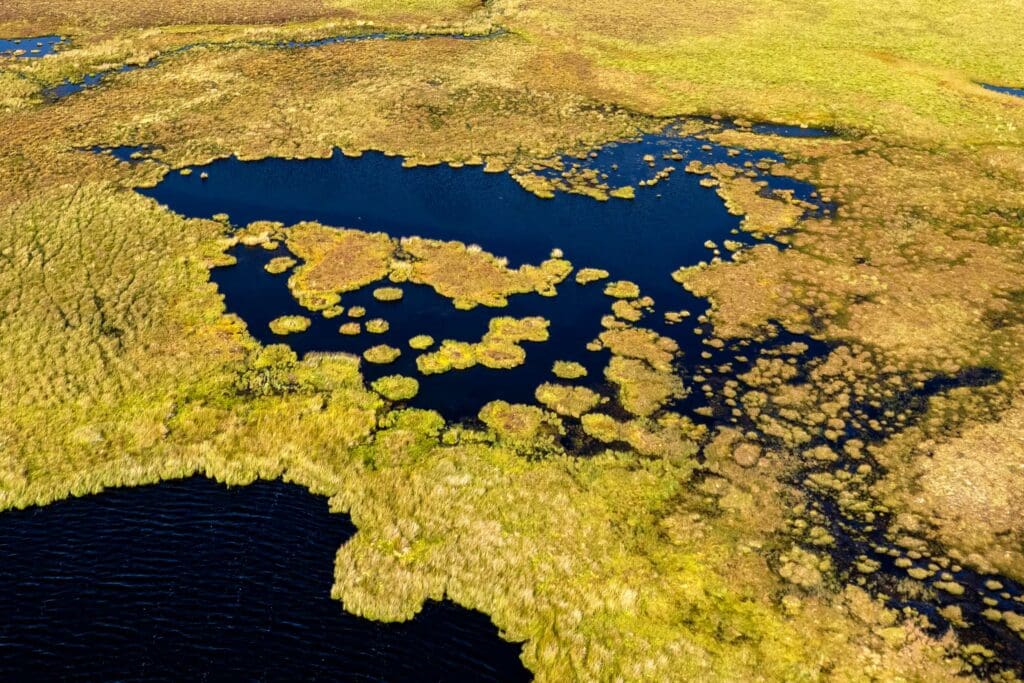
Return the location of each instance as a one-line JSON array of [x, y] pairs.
[[499, 349], [121, 368]]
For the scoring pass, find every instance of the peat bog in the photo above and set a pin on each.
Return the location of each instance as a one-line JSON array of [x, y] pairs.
[[665, 226]]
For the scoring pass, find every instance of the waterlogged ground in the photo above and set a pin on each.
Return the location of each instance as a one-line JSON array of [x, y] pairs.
[[724, 400], [676, 221]]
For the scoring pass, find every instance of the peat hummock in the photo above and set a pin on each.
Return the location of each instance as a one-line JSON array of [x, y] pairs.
[[176, 580]]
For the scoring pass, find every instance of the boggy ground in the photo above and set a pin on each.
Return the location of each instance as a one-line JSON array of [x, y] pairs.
[[687, 554]]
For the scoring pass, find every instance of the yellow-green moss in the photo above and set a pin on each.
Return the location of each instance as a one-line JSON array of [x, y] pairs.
[[388, 294], [279, 264], [381, 354], [421, 342], [566, 369], [289, 324], [585, 276], [377, 326], [567, 400], [622, 289], [499, 349], [396, 387]]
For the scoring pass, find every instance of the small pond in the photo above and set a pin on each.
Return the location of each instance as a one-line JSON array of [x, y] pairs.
[[29, 48], [643, 240]]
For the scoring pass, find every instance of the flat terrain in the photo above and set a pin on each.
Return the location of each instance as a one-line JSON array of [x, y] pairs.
[[840, 503]]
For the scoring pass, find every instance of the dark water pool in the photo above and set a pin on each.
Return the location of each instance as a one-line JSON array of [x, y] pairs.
[[1016, 92], [29, 48], [190, 580], [789, 131], [643, 240]]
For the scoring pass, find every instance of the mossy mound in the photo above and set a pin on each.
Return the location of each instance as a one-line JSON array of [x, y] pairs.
[[499, 349], [421, 342], [647, 345], [622, 289], [471, 277], [279, 264], [377, 326], [585, 276], [565, 369], [642, 389], [289, 324], [567, 400], [382, 354], [388, 294], [527, 429], [396, 387], [335, 261]]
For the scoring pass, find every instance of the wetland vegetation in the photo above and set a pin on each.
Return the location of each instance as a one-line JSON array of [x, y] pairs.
[[681, 341]]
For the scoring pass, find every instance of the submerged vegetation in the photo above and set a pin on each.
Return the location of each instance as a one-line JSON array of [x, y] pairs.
[[841, 502]]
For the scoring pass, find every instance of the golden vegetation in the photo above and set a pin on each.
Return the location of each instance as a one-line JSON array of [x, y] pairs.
[[642, 389], [121, 368], [622, 289], [585, 276], [421, 342], [526, 429], [279, 264], [335, 261], [567, 369], [500, 348], [388, 294], [472, 277], [289, 324], [381, 354], [396, 387], [567, 400]]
